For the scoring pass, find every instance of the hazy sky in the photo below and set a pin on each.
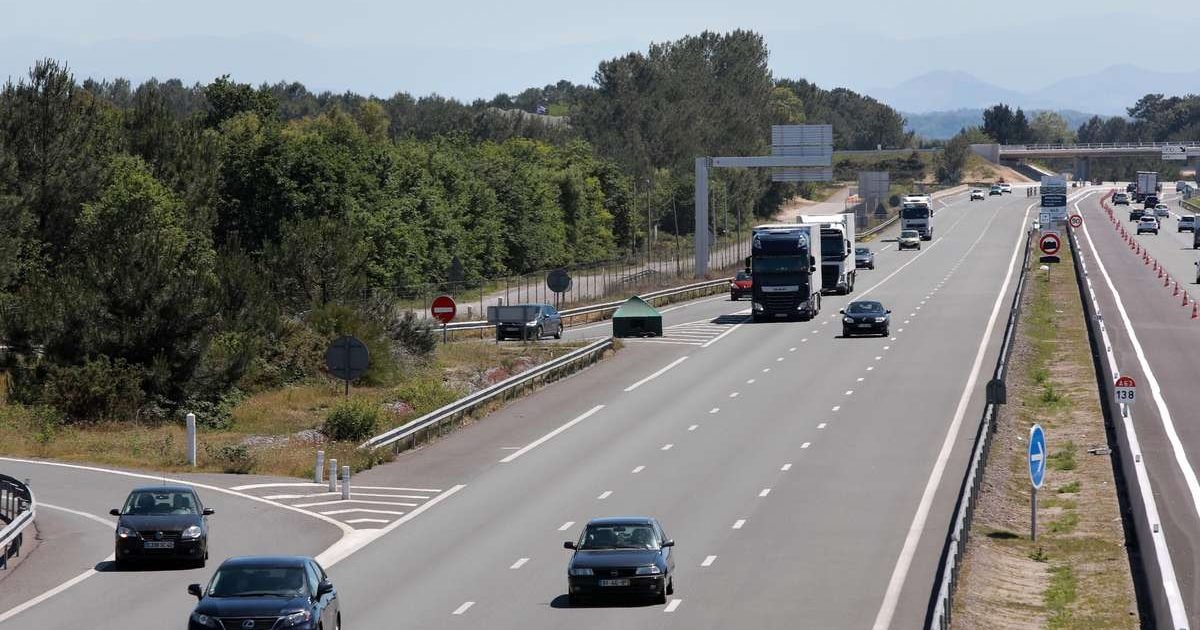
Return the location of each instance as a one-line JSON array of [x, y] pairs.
[[475, 48]]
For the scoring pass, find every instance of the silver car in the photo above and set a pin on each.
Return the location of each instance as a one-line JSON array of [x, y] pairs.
[[1161, 210], [909, 239]]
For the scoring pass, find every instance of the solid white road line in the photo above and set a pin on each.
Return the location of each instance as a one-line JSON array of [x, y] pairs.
[[519, 563], [674, 603], [566, 526], [341, 502], [604, 495], [16, 610], [462, 609], [708, 560], [111, 524], [549, 436], [883, 619], [362, 510], [724, 334], [738, 523], [656, 374], [355, 521]]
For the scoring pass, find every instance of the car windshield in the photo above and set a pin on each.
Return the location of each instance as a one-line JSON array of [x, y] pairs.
[[146, 503], [258, 582], [623, 536], [862, 251], [864, 308], [908, 234], [742, 275], [778, 264]]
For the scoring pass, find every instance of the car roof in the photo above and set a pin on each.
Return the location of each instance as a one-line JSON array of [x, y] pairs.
[[622, 520], [162, 489], [266, 561]]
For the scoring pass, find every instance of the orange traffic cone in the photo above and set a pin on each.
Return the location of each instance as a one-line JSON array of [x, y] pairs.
[[1176, 291], [1185, 299], [1166, 280]]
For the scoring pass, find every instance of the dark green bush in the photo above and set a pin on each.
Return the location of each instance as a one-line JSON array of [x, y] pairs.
[[352, 420], [100, 389], [236, 459]]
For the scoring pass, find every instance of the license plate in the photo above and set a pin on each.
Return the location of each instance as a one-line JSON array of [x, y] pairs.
[[614, 582], [159, 544], [864, 325]]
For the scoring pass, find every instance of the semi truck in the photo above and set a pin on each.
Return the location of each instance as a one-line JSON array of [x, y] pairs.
[[916, 213], [1147, 184], [786, 281], [838, 268]]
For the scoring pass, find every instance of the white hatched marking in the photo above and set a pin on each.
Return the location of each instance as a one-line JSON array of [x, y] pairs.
[[341, 502], [363, 510], [355, 521], [604, 495]]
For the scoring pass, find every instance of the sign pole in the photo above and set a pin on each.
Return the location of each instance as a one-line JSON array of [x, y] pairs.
[[1033, 515], [346, 349], [445, 338]]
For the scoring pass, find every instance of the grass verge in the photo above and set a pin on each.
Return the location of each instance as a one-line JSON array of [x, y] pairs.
[[1076, 574]]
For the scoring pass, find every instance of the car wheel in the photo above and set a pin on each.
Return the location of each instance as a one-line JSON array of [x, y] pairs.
[[338, 622], [537, 333], [558, 333], [671, 586], [572, 599], [845, 332]]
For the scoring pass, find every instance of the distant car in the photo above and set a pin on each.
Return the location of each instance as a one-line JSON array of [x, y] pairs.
[[1161, 210], [864, 258], [1121, 199], [740, 286], [1187, 223], [1149, 202], [1147, 224], [995, 190], [1135, 214], [542, 320], [1007, 188], [621, 556], [976, 193], [1180, 186], [909, 239], [264, 592], [162, 523], [865, 317], [1197, 263], [1131, 187]]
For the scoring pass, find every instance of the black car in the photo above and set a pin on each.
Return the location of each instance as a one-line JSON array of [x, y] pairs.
[[1135, 214], [864, 258], [865, 317], [162, 523], [621, 556], [265, 592]]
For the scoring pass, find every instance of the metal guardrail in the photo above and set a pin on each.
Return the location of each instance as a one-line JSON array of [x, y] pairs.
[[459, 408], [1097, 145], [18, 508], [964, 510]]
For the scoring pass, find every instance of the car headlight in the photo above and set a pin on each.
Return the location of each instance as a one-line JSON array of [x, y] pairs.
[[192, 532], [650, 570], [847, 320], [125, 532], [880, 319], [204, 620], [757, 306], [531, 324], [580, 572], [296, 617]]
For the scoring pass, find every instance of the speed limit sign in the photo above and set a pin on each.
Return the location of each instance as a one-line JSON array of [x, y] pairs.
[[1076, 221], [1126, 390]]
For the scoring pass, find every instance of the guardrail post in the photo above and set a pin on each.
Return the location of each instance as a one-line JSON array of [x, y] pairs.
[[191, 439], [333, 475], [319, 469], [345, 483]]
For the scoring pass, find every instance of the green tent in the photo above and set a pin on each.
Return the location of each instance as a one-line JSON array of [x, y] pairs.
[[636, 318]]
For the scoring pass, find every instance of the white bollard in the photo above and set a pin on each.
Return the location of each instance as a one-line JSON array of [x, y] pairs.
[[319, 469], [191, 439], [345, 483], [333, 475]]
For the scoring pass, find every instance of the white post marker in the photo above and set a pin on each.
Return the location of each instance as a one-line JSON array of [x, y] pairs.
[[333, 475], [191, 439], [319, 469], [345, 483]]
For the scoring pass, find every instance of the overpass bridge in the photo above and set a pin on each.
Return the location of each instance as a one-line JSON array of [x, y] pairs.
[[1084, 153]]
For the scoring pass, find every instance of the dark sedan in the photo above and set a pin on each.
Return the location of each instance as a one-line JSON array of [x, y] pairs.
[[864, 258], [162, 523], [621, 556], [865, 317], [264, 592]]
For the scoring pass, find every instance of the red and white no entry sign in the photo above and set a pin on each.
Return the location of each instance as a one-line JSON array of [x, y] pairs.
[[1050, 244], [1126, 390], [443, 308], [1076, 221]]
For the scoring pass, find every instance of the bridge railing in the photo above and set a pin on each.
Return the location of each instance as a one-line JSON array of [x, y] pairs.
[[17, 511], [1096, 145]]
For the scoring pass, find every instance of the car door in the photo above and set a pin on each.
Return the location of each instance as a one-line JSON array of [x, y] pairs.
[[553, 321], [668, 552]]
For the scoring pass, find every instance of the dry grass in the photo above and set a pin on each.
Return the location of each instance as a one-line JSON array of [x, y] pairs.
[[1076, 576]]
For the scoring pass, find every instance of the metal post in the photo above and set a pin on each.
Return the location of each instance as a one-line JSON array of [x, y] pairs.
[[1033, 515], [191, 439], [333, 475], [701, 229], [319, 469], [345, 483]]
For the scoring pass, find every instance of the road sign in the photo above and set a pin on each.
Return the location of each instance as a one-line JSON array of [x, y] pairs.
[[1054, 201], [347, 358], [1050, 244], [1076, 221], [1126, 390], [1037, 456], [1174, 153], [443, 308], [558, 281]]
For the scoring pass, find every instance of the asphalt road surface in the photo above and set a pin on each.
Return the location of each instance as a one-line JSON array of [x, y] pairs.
[[807, 479]]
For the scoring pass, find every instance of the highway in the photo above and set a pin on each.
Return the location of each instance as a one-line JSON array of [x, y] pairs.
[[1157, 342], [807, 479]]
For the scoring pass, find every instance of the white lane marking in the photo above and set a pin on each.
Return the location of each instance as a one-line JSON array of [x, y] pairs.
[[816, 332], [714, 410], [309, 484], [870, 367], [837, 408], [878, 358], [362, 510], [900, 330], [764, 492], [16, 610], [722, 335], [750, 381], [538, 442], [791, 349], [861, 379], [566, 526], [519, 563], [849, 392], [341, 502], [355, 521], [785, 467], [778, 359], [638, 470], [666, 447], [821, 426], [462, 609], [892, 597], [733, 395], [708, 560], [656, 374], [604, 495], [103, 521], [806, 445], [693, 427], [804, 340], [348, 545], [907, 321], [888, 347], [765, 370], [674, 603], [738, 523]]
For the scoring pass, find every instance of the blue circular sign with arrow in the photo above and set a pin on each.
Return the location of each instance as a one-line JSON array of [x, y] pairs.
[[1037, 455]]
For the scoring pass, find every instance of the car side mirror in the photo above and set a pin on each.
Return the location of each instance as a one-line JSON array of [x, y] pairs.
[[568, 545], [209, 511], [668, 543], [843, 311], [115, 512], [889, 311], [194, 589], [325, 587]]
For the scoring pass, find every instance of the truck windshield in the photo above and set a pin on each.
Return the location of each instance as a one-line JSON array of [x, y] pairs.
[[914, 213], [777, 265]]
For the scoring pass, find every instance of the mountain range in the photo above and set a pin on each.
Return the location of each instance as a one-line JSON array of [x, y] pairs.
[[943, 125]]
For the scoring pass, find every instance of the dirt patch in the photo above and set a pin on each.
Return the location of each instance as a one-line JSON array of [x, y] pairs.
[[1076, 575]]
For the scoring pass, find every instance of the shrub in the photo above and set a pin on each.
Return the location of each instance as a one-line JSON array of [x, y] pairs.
[[100, 389], [352, 420], [235, 459]]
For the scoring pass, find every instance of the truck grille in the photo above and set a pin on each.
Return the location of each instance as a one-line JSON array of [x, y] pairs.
[[829, 276], [779, 301]]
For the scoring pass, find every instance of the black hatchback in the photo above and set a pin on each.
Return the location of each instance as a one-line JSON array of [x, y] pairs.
[[865, 317], [628, 555], [264, 592], [162, 523]]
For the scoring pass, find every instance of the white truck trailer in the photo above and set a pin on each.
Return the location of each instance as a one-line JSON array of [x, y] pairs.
[[838, 269]]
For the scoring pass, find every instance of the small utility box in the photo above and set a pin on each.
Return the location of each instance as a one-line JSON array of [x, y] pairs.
[[636, 318]]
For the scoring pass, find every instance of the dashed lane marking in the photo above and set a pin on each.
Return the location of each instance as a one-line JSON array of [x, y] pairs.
[[604, 495], [638, 470], [462, 609], [764, 492], [785, 467], [673, 605], [739, 523], [519, 563], [708, 560], [566, 526]]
